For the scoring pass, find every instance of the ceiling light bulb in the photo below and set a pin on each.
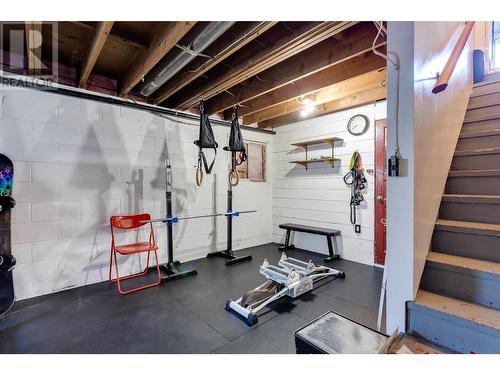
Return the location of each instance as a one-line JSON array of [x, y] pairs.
[[304, 113], [309, 107]]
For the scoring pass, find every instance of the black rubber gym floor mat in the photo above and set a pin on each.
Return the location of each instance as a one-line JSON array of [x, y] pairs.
[[185, 316]]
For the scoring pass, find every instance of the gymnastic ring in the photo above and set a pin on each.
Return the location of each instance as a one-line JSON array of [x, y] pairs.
[[234, 177], [199, 176]]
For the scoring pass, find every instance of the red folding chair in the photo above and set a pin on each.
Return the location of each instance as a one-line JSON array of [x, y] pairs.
[[127, 223]]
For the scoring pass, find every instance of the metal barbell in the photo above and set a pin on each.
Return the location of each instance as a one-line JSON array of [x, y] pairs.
[[175, 219]]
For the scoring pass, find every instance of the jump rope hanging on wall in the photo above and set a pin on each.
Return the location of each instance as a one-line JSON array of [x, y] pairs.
[[356, 179], [206, 139], [236, 144]]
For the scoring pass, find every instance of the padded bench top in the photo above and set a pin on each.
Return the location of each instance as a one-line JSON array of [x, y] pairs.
[[310, 229], [331, 333]]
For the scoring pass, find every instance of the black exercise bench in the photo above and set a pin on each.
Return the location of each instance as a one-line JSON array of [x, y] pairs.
[[329, 233]]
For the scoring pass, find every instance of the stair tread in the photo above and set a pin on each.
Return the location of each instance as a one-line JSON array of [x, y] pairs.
[[481, 133], [464, 262], [480, 151], [469, 311], [471, 227], [474, 172], [471, 198], [469, 224]]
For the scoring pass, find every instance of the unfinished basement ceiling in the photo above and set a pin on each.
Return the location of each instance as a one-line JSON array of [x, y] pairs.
[[268, 69]]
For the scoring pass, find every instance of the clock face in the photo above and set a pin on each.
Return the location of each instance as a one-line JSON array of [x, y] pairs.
[[358, 124]]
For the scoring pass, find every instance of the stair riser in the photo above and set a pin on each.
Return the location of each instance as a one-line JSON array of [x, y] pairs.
[[452, 332], [481, 114], [473, 185], [477, 287], [482, 101], [489, 78], [481, 126], [477, 212], [475, 161], [478, 143], [467, 245], [486, 89]]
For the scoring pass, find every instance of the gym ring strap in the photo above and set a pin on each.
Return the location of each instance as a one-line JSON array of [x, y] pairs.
[[199, 175], [234, 177]]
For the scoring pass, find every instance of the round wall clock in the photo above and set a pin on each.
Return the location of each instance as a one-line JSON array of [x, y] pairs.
[[358, 124]]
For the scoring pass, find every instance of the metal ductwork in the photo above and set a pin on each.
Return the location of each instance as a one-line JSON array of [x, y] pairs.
[[167, 70]]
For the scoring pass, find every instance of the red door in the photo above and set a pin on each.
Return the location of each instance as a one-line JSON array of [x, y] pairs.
[[380, 189]]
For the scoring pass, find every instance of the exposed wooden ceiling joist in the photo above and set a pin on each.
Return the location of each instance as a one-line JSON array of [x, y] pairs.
[[269, 56], [34, 46], [166, 37], [183, 79], [100, 36], [352, 42], [353, 67], [118, 33], [336, 91], [365, 97]]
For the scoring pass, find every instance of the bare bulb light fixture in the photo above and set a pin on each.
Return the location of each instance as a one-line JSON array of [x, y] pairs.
[[309, 106]]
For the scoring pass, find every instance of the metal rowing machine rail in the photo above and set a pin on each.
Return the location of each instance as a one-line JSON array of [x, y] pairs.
[[292, 277]]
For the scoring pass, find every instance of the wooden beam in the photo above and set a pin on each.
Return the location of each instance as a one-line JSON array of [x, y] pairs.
[[34, 47], [183, 79], [333, 92], [117, 33], [348, 69], [166, 37], [100, 36], [352, 42], [272, 54], [355, 100]]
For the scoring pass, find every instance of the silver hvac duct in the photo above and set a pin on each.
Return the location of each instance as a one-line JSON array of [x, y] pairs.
[[164, 72]]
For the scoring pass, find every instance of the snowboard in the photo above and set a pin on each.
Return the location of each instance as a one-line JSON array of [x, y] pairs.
[[7, 261]]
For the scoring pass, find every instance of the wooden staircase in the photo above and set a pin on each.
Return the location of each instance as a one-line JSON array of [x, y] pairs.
[[458, 303]]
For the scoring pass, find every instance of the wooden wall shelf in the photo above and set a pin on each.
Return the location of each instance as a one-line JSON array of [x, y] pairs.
[[329, 141], [304, 163], [305, 145]]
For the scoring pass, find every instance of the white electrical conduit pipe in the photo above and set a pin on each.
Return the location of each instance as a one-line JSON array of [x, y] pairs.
[[396, 67]]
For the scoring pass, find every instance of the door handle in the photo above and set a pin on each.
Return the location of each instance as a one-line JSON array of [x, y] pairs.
[[380, 197]]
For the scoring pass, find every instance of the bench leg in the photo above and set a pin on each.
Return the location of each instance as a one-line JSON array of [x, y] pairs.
[[333, 255], [287, 245]]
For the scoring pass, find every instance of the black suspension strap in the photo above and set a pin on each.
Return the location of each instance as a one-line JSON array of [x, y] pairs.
[[355, 178], [236, 144], [206, 139]]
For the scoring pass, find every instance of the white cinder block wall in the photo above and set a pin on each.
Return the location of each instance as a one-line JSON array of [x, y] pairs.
[[77, 162], [318, 196]]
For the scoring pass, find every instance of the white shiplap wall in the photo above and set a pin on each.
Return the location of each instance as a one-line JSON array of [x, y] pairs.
[[77, 162], [318, 196]]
